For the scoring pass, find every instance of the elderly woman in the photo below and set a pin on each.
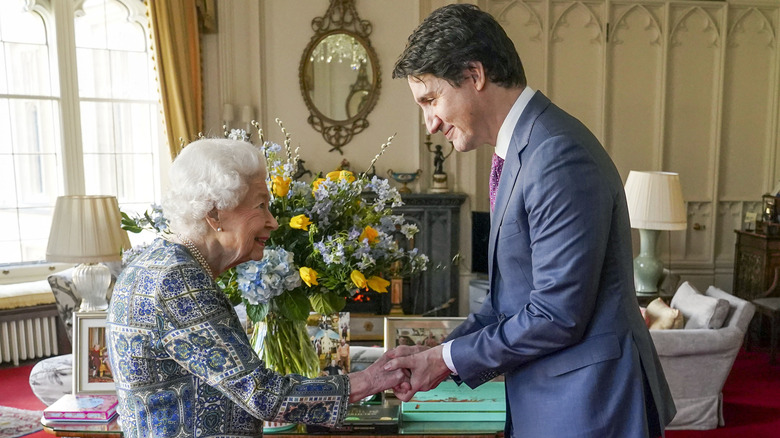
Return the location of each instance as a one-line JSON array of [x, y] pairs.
[[183, 366]]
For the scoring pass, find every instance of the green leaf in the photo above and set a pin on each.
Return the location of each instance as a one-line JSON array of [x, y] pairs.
[[293, 305], [327, 302], [256, 312]]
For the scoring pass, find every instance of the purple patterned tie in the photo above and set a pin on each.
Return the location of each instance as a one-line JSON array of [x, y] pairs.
[[495, 175]]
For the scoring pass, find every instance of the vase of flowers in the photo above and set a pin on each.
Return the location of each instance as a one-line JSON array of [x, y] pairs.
[[332, 242]]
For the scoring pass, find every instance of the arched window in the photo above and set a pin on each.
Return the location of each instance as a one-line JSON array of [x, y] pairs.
[[79, 113]]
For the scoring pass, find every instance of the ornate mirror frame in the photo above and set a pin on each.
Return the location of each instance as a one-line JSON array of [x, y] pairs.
[[342, 18]]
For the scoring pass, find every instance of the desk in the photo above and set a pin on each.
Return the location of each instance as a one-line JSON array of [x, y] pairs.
[[422, 429]]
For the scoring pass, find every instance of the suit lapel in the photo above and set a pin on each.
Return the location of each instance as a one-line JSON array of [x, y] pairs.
[[509, 175]]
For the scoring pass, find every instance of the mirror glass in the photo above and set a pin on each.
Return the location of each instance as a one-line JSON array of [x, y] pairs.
[[339, 76]]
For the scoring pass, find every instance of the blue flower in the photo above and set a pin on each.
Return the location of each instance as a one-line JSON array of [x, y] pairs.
[[268, 278]]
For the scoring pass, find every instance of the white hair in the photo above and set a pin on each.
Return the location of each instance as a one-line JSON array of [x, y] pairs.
[[209, 173]]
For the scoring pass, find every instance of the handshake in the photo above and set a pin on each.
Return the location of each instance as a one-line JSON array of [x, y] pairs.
[[404, 369]]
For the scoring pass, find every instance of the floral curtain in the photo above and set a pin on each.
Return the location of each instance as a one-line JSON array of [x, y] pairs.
[[176, 47]]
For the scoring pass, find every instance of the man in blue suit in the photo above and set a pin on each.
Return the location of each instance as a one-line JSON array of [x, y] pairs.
[[561, 321]]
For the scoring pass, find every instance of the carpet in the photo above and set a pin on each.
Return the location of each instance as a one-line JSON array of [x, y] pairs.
[[19, 422]]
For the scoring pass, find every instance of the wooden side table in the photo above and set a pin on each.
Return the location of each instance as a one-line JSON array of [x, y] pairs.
[[756, 264], [757, 279]]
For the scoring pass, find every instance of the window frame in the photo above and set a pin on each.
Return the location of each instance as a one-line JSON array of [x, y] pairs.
[[59, 23]]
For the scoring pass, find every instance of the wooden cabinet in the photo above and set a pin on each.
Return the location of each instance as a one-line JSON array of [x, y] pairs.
[[756, 264], [438, 218], [436, 291]]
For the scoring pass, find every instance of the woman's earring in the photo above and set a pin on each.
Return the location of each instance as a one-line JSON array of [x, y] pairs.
[[219, 229]]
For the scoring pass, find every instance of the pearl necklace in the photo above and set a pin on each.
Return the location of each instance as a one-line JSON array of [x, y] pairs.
[[196, 253]]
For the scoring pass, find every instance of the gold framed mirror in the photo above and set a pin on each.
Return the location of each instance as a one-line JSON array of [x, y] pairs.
[[339, 74]]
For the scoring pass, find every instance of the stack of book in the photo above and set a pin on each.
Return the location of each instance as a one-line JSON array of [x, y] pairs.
[[82, 408], [374, 419], [450, 402]]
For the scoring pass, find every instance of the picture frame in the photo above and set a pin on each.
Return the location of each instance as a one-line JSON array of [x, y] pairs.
[[330, 336], [91, 370], [416, 330]]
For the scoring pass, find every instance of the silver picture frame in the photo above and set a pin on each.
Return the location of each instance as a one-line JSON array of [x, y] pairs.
[[92, 372]]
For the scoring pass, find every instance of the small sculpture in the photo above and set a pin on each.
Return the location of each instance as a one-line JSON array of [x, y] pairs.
[[439, 177], [300, 170]]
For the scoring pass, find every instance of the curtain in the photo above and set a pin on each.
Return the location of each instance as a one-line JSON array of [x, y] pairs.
[[176, 47]]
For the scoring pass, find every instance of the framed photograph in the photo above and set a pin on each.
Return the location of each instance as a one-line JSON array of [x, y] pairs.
[[412, 330], [330, 336], [92, 372]]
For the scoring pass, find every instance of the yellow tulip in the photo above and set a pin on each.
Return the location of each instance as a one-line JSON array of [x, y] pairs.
[[281, 186], [341, 174], [316, 184], [378, 284], [300, 222], [371, 234], [309, 276], [358, 278], [347, 175]]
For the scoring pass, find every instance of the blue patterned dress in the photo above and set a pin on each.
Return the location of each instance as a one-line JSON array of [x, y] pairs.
[[183, 364]]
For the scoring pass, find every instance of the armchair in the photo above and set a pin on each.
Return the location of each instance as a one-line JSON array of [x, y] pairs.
[[696, 363]]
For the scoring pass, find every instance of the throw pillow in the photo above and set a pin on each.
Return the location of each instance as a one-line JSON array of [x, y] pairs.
[[659, 316], [66, 296], [700, 311]]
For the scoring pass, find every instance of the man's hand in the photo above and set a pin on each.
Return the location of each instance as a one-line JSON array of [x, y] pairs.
[[427, 369], [375, 379]]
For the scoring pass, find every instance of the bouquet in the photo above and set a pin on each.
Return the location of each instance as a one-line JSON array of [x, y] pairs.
[[333, 240]]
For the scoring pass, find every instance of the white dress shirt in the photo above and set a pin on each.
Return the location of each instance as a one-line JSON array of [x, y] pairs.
[[502, 146]]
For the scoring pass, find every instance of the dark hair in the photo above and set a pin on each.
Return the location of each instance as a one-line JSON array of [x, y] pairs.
[[454, 35]]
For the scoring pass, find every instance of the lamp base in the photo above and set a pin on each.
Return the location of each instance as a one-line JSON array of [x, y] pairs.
[[647, 267], [92, 281]]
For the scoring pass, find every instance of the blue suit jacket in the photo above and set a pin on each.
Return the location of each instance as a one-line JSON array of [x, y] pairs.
[[562, 321]]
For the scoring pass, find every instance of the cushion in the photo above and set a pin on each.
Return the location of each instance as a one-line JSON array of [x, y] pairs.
[[659, 316], [700, 311], [32, 293], [67, 298], [52, 378]]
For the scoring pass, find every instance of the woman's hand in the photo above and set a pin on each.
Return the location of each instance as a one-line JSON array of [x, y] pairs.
[[375, 379]]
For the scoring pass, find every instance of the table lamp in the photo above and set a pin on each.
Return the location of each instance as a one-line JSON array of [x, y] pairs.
[[655, 203], [87, 230]]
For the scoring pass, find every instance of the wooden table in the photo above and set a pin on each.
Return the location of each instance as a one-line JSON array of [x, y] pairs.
[[408, 430]]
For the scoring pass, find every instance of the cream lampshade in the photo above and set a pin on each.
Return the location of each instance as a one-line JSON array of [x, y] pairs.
[[655, 203], [87, 230]]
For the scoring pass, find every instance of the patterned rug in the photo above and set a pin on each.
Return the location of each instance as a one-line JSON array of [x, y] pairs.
[[18, 422]]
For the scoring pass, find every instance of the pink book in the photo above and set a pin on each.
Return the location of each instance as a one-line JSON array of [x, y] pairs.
[[82, 407]]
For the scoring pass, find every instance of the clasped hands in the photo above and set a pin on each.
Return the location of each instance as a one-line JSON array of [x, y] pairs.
[[404, 369]]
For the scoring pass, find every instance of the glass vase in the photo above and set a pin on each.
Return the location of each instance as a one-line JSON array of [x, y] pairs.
[[284, 346]]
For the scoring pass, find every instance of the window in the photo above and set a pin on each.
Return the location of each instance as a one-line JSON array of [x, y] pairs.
[[79, 113]]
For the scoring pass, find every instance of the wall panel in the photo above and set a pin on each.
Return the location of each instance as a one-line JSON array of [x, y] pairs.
[[747, 102], [634, 87], [576, 60], [692, 97]]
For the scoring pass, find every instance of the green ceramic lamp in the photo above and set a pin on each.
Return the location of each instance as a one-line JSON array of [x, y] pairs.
[[655, 203]]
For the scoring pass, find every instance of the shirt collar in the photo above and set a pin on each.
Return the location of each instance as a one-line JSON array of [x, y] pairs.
[[508, 127]]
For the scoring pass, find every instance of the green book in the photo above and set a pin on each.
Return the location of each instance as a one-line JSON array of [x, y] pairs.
[[365, 418], [450, 402]]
